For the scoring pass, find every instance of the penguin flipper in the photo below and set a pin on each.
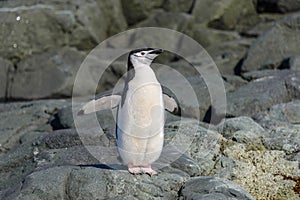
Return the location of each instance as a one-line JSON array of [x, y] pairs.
[[102, 103], [171, 104]]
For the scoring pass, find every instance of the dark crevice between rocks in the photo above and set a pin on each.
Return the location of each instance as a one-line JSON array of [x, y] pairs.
[[55, 123], [238, 68], [208, 117], [192, 7]]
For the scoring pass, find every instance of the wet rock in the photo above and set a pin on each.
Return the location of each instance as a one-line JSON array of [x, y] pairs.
[[212, 188], [273, 47], [46, 75], [284, 114]]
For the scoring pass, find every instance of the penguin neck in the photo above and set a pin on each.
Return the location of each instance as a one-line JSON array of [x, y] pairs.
[[141, 71]]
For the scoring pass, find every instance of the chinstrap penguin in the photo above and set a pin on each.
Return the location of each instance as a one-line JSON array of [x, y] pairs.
[[140, 115]]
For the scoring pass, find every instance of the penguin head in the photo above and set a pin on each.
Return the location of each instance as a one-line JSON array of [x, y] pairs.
[[143, 56]]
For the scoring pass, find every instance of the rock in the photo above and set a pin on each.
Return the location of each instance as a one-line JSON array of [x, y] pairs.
[[92, 183], [284, 138], [5, 68], [24, 121], [136, 11], [19, 34], [178, 6], [53, 72], [15, 165], [273, 47], [242, 130], [289, 77], [228, 55], [176, 21], [267, 21], [212, 188], [256, 96], [261, 172], [225, 15], [284, 114], [35, 186], [114, 17], [292, 63], [235, 81], [281, 6], [191, 107], [67, 23], [208, 36]]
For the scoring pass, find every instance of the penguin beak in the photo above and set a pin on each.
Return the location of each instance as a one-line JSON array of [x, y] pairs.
[[156, 51]]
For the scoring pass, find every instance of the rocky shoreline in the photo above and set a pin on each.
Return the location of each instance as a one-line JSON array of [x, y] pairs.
[[253, 153]]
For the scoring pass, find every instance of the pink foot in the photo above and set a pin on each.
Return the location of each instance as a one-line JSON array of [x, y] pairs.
[[148, 170], [135, 170]]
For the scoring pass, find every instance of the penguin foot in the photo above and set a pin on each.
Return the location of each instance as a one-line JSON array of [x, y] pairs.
[[135, 170], [148, 170]]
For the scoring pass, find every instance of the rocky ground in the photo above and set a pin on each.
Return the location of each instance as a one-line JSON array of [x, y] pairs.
[[253, 153]]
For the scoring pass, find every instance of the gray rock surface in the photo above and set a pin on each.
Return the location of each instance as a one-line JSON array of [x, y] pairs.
[[43, 156], [212, 188], [75, 23], [284, 114], [225, 15], [178, 5], [229, 54], [242, 130], [284, 138], [18, 121], [209, 36], [273, 47], [176, 21], [57, 67], [136, 11], [5, 68], [256, 96]]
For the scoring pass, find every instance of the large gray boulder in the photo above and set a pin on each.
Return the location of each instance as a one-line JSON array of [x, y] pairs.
[[75, 23], [46, 75], [284, 114], [268, 88], [225, 15], [213, 188], [136, 11], [18, 124], [275, 46]]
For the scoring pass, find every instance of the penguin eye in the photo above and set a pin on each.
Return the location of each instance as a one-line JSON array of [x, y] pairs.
[[142, 53]]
